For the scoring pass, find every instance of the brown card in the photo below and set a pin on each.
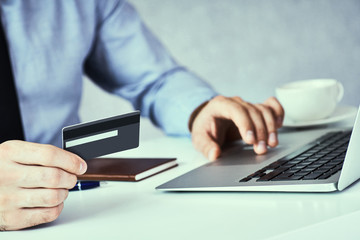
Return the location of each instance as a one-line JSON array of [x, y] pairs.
[[125, 169]]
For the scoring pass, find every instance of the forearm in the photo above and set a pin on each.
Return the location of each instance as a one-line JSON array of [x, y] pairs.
[[180, 94]]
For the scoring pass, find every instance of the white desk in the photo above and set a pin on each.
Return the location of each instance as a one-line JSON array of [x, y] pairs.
[[127, 210]]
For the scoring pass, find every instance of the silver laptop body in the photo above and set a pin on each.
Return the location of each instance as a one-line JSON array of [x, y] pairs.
[[239, 161]]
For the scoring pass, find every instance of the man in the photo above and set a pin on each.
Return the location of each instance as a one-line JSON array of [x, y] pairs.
[[51, 44]]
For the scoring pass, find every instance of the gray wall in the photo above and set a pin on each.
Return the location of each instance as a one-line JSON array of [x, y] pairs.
[[248, 47]]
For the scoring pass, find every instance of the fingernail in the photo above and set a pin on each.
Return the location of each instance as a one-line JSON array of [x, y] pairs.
[[250, 136], [272, 138], [211, 154], [82, 167], [262, 146]]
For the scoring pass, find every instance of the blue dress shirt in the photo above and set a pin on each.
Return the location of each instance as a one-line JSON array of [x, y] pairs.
[[53, 43]]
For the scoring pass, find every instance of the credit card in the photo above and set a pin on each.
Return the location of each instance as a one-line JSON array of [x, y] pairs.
[[101, 137]]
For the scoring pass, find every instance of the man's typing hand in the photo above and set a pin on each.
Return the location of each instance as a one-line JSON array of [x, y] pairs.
[[225, 119]]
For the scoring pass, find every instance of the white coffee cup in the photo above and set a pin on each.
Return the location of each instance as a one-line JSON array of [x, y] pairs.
[[309, 100]]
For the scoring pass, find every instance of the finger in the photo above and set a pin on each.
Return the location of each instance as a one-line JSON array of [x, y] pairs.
[[232, 109], [258, 122], [46, 177], [204, 143], [30, 198], [260, 147], [270, 122], [276, 107], [28, 217], [41, 154]]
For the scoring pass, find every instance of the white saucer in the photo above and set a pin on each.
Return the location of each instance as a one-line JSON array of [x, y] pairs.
[[341, 113]]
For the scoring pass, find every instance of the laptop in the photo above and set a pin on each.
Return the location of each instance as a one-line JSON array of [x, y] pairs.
[[313, 160]]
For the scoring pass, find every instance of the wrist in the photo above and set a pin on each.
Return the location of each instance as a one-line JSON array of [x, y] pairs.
[[195, 113]]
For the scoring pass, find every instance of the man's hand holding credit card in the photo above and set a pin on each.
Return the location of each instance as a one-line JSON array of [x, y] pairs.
[[101, 137]]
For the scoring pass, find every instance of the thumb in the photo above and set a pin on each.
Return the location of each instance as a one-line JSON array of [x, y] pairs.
[[214, 153], [206, 144]]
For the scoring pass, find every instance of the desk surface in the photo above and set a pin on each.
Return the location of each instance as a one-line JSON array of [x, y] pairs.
[[128, 210]]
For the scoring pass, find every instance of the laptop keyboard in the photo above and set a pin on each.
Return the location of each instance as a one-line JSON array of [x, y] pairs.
[[321, 161]]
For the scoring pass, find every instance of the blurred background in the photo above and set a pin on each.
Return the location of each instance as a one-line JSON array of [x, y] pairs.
[[248, 47]]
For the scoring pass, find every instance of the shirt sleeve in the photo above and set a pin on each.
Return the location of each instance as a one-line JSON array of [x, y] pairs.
[[128, 60]]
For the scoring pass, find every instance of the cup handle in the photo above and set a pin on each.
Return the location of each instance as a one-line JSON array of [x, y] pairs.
[[340, 91]]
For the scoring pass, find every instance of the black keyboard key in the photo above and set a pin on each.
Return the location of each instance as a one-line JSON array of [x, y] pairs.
[[332, 163], [306, 155], [282, 177], [303, 172], [314, 165], [288, 165], [275, 165], [309, 169], [325, 168], [322, 161], [299, 158], [338, 160], [306, 162], [295, 177], [269, 176], [283, 168], [292, 170], [298, 167], [338, 167], [245, 179], [294, 161], [313, 176], [256, 174], [312, 159], [327, 174]]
